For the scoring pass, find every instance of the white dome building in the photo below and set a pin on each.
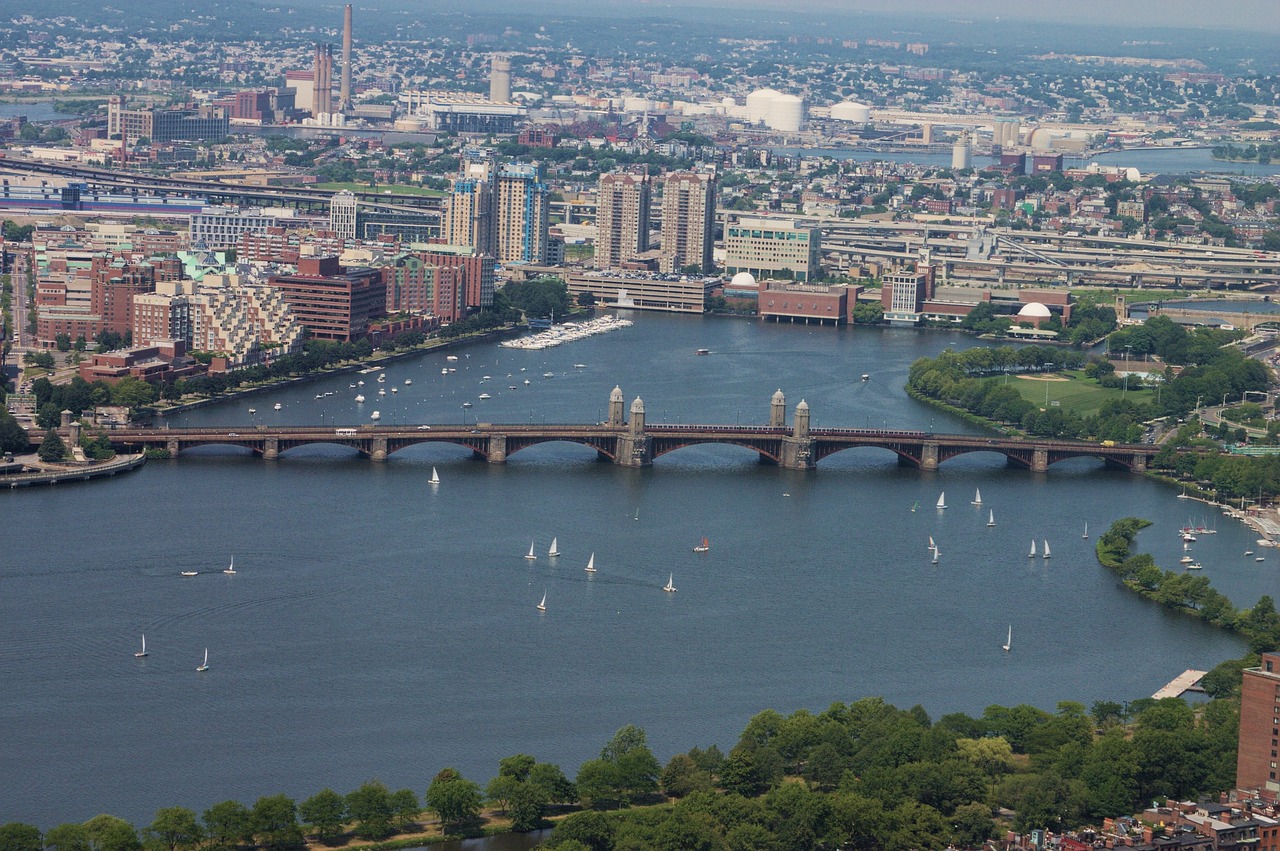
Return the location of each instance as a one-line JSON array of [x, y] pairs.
[[856, 113], [743, 282], [1035, 313], [758, 104], [786, 113]]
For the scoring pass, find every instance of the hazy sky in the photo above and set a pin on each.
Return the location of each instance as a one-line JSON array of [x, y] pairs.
[[1236, 14]]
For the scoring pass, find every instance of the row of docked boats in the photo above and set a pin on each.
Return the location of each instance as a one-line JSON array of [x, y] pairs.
[[567, 333]]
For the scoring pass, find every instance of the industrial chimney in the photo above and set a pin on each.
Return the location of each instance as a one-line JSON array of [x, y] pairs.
[[344, 103]]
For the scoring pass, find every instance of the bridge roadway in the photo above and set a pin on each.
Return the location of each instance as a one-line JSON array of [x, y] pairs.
[[635, 444]]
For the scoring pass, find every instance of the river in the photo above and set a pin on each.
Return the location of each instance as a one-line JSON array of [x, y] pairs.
[[381, 627]]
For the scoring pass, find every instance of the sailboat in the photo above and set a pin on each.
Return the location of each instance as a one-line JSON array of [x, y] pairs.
[[542, 607], [670, 586], [231, 568], [704, 546], [204, 666], [435, 477], [637, 517], [942, 500], [1033, 549], [190, 573], [935, 556], [914, 507], [991, 517], [932, 545], [1008, 642], [531, 556], [1086, 530], [143, 651], [554, 551], [1047, 554], [591, 564], [977, 496]]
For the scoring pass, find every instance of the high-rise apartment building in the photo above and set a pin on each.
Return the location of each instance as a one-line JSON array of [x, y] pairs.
[[688, 217], [1260, 727], [523, 212], [467, 216], [622, 219], [342, 214]]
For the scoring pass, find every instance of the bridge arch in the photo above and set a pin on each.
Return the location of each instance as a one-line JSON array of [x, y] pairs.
[[903, 456], [602, 447], [764, 448]]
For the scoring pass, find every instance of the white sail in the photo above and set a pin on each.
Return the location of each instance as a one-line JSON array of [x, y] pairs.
[[204, 666], [591, 564], [670, 586], [1086, 530], [1008, 642], [1046, 549], [231, 568], [991, 517], [1033, 548], [435, 477], [935, 555], [542, 607], [143, 651], [942, 500], [554, 551], [531, 556], [932, 545], [977, 496]]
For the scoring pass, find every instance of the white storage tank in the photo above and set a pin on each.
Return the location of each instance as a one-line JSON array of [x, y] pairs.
[[786, 113], [758, 104], [856, 113]]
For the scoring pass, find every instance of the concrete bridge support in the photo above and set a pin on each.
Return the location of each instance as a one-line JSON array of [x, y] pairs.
[[1138, 464], [1040, 461], [271, 448], [497, 451], [172, 447], [929, 456], [797, 454], [378, 449], [634, 451]]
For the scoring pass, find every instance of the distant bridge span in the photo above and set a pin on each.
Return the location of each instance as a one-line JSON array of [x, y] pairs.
[[634, 443]]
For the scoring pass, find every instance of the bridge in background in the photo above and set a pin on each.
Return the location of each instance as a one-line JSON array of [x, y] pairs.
[[635, 443]]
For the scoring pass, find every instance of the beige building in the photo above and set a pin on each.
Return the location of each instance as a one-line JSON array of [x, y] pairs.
[[622, 219], [772, 248], [688, 216], [687, 294], [467, 217]]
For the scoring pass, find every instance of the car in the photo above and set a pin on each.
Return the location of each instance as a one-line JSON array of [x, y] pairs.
[[424, 428], [233, 434]]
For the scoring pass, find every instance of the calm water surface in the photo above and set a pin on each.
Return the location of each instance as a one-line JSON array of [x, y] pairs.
[[382, 627]]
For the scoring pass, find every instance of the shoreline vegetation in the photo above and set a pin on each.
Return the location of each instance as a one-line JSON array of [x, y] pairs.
[[860, 775]]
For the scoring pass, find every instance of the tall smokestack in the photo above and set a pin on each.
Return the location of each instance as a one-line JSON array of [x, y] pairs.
[[317, 81], [344, 103]]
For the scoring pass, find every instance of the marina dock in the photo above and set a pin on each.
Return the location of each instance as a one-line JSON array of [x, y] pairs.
[[1188, 680]]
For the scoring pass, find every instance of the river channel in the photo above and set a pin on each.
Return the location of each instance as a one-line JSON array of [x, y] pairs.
[[379, 626]]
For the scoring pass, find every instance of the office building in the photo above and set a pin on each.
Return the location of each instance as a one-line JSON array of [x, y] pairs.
[[622, 219], [221, 226], [903, 294], [523, 201], [165, 125], [688, 217], [772, 248], [332, 302]]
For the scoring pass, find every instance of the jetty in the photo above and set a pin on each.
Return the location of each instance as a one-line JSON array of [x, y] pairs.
[[1188, 680]]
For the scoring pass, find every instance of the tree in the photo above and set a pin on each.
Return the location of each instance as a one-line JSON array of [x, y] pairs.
[[681, 776], [174, 828], [67, 837], [525, 807], [52, 449], [325, 811], [551, 780], [16, 836], [275, 822], [63, 342], [454, 799], [500, 790], [228, 825], [517, 766], [404, 807], [972, 824], [110, 833], [13, 437], [370, 805], [591, 829]]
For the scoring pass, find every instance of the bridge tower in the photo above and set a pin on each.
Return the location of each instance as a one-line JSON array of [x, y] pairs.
[[635, 448], [778, 410], [616, 407], [797, 450]]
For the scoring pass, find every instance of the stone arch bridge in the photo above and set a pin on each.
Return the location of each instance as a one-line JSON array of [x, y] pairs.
[[633, 442]]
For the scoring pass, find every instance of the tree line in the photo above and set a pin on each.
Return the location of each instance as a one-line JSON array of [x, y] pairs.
[[863, 775]]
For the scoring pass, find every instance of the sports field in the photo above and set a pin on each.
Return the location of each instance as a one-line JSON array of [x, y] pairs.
[[1071, 390]]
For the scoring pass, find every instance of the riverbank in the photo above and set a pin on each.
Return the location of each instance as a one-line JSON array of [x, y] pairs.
[[82, 473], [377, 359]]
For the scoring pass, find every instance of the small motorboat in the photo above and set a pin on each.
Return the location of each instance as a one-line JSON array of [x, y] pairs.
[[278, 406]]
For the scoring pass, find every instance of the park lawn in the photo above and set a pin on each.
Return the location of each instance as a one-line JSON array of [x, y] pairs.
[[1080, 395], [382, 188]]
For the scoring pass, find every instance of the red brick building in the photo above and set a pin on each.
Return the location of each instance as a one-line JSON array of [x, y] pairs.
[[333, 303], [161, 362], [1259, 742]]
